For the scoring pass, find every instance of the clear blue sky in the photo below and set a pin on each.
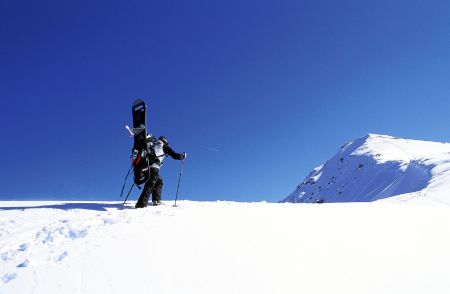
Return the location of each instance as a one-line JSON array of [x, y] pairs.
[[275, 86]]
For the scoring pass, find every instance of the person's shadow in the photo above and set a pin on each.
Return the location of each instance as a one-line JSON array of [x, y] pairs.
[[74, 205]]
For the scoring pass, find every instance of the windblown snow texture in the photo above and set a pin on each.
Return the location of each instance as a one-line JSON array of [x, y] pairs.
[[378, 167], [224, 247]]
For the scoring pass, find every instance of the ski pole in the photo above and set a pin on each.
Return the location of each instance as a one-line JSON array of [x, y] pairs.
[[125, 182], [128, 194], [179, 179]]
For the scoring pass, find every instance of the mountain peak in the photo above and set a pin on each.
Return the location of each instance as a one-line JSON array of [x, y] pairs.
[[376, 167]]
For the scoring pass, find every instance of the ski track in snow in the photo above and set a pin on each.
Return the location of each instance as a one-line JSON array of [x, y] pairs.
[[45, 245], [24, 245]]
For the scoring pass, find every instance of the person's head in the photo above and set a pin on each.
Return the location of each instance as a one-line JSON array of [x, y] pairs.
[[164, 140]]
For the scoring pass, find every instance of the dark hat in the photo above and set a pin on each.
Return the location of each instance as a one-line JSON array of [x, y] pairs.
[[163, 139]]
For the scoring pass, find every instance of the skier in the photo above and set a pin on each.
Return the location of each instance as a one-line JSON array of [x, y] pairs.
[[160, 148]]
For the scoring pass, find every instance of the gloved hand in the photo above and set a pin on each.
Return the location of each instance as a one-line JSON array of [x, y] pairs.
[[183, 155]]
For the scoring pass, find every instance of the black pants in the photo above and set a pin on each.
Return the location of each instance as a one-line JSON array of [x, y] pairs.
[[152, 186]]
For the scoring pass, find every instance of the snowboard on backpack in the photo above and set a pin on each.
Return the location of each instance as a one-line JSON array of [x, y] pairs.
[[140, 158]]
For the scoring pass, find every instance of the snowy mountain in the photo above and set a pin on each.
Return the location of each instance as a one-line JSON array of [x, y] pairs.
[[377, 167], [227, 247]]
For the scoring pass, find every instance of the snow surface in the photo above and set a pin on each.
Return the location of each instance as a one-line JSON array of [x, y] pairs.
[[224, 247], [378, 167]]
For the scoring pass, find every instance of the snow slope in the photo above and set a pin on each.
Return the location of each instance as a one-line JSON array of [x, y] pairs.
[[378, 167], [224, 247]]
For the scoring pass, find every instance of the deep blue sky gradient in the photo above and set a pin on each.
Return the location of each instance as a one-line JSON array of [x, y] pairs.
[[257, 92]]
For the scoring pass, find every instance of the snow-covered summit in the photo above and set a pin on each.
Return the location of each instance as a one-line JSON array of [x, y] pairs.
[[376, 167]]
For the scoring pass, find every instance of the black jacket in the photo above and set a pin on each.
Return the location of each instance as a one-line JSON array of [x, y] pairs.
[[169, 151]]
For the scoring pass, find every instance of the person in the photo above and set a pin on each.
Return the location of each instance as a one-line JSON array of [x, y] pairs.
[[155, 183]]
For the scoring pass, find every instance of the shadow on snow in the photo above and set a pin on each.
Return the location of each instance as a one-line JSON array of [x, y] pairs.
[[70, 205]]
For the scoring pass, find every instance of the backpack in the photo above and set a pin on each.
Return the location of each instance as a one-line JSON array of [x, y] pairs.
[[155, 151]]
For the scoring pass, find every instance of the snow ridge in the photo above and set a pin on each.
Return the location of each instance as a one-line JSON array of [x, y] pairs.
[[377, 167]]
